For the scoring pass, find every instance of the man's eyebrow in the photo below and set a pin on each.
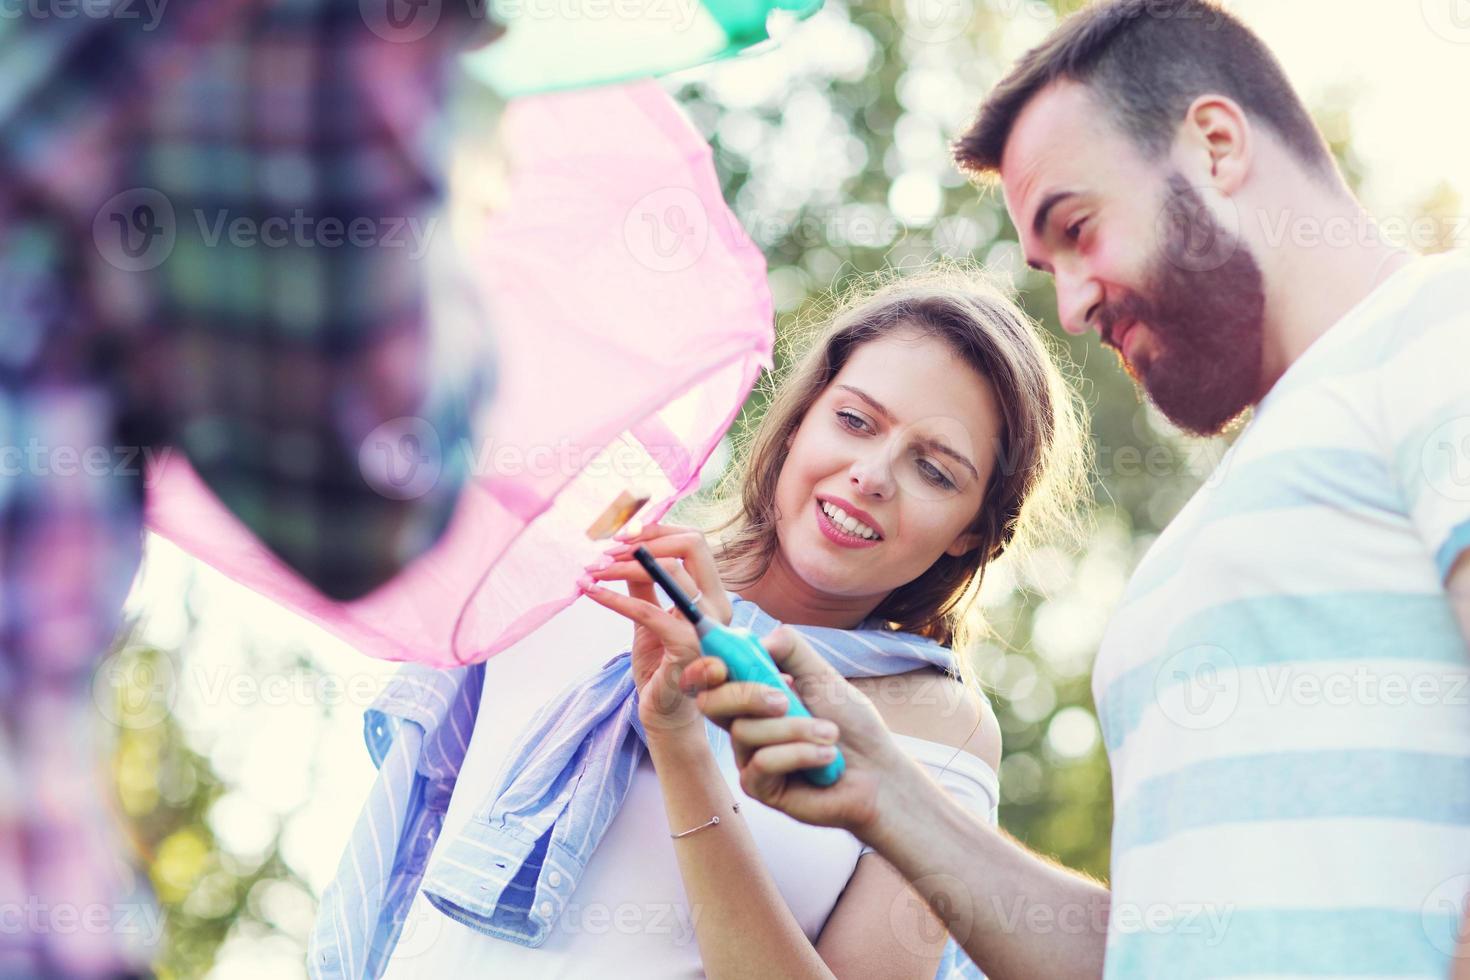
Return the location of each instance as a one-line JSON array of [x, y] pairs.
[[1047, 203], [929, 443]]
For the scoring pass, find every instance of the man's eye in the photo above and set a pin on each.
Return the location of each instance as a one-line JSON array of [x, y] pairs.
[[1074, 230]]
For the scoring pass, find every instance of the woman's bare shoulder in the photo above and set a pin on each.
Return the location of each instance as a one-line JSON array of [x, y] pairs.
[[930, 704]]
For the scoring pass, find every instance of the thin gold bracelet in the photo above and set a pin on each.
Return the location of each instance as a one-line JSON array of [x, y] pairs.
[[712, 821]]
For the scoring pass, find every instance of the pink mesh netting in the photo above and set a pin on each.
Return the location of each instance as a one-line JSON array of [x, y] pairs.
[[632, 320]]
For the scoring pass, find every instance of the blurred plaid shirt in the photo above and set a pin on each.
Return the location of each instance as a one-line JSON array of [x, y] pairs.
[[216, 239]]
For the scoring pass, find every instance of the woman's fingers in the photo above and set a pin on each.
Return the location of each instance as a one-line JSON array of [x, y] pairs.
[[631, 572], [644, 591], [672, 630], [689, 546], [649, 532]]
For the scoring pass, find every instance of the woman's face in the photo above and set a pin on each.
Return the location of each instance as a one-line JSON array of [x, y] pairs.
[[886, 469]]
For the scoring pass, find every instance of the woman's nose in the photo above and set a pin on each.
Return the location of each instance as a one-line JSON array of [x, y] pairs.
[[873, 476]]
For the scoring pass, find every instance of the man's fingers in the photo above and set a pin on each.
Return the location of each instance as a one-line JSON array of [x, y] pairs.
[[788, 758], [773, 731], [794, 655], [704, 673], [708, 672], [725, 703]]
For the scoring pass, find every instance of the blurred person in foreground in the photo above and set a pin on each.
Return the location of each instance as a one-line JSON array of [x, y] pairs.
[[1282, 687], [215, 238]]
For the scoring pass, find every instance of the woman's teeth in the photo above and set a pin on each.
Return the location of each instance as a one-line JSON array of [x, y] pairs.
[[849, 524]]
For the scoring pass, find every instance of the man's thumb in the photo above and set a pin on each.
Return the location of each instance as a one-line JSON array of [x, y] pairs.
[[793, 654]]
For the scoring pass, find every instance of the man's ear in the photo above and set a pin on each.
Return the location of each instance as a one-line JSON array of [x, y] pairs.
[[1215, 146]]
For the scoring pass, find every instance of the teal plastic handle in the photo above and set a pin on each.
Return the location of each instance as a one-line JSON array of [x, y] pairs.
[[747, 660]]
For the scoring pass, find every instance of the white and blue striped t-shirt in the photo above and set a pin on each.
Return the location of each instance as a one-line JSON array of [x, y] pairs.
[[1285, 691]]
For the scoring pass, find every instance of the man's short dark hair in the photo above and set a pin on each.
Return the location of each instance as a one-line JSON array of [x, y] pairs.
[[1147, 61]]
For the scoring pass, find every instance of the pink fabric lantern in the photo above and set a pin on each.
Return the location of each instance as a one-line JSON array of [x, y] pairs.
[[632, 320]]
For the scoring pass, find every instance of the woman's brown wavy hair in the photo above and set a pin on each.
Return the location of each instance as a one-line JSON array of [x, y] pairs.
[[1034, 491]]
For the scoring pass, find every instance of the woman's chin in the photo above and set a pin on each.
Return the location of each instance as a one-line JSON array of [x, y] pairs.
[[826, 577]]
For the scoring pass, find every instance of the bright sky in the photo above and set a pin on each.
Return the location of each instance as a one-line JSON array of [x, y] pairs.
[[1409, 60]]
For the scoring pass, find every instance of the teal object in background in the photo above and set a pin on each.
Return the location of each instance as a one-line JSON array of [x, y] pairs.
[[551, 45], [743, 656]]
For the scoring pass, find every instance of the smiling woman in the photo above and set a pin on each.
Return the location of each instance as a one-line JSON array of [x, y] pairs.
[[922, 429]]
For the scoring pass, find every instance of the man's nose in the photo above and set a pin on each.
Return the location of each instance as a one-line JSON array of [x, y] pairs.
[[1078, 300]]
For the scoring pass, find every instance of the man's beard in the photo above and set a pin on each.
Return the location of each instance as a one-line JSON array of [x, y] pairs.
[[1204, 306]]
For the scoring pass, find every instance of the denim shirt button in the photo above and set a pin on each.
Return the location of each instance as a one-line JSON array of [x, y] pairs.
[[545, 910], [555, 878]]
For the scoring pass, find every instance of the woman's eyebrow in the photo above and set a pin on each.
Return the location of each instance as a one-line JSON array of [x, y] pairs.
[[873, 403], [943, 449], [927, 442]]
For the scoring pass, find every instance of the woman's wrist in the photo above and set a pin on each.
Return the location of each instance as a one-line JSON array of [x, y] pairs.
[[684, 740]]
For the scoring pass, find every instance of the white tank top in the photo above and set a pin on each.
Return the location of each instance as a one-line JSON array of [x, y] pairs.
[[629, 916]]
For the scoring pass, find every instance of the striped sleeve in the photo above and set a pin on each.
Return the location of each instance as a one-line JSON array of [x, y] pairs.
[[1425, 402]]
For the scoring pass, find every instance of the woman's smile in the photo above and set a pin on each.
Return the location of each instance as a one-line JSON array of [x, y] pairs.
[[840, 534]]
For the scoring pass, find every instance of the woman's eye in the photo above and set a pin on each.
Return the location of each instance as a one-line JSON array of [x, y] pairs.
[[848, 420], [1074, 230], [934, 476]]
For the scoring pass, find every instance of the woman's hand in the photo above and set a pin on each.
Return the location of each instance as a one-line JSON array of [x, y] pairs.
[[664, 642], [771, 748]]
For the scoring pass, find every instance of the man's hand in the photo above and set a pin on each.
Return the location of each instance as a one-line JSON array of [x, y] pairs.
[[771, 749]]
